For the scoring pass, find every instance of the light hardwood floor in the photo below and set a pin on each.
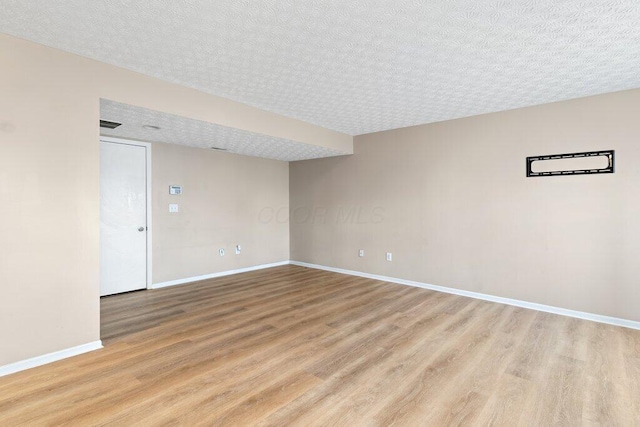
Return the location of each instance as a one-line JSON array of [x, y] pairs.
[[296, 346]]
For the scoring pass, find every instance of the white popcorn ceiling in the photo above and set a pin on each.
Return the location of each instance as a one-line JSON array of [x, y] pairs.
[[195, 133], [355, 66]]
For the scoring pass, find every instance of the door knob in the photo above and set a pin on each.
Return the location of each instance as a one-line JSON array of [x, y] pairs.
[[141, 229]]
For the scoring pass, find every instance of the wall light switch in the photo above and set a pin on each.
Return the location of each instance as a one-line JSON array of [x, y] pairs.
[[238, 249], [389, 256], [173, 208], [361, 252]]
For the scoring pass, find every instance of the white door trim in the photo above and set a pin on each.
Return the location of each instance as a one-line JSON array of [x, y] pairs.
[[147, 145]]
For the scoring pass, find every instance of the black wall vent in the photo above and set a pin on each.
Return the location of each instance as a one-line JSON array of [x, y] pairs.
[[109, 125], [606, 163]]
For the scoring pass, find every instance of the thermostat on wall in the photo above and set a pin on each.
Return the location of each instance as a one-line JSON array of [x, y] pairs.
[[175, 189]]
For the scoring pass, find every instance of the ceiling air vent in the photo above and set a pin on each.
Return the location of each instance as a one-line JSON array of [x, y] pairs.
[[109, 125]]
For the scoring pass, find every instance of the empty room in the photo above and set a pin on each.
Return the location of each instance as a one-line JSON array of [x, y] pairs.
[[320, 213]]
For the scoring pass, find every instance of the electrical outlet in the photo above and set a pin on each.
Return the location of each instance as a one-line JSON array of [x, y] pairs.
[[361, 253], [173, 208], [238, 249], [221, 252], [389, 256]]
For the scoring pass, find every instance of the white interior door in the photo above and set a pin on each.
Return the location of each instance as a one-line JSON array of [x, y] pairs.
[[123, 217]]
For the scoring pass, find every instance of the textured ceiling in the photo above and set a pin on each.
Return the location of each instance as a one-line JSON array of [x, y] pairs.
[[195, 133], [355, 66]]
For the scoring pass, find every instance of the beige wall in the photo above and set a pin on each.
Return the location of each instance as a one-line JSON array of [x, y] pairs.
[[49, 183], [224, 196], [452, 203]]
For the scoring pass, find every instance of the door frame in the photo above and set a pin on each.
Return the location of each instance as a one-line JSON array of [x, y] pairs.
[[147, 145]]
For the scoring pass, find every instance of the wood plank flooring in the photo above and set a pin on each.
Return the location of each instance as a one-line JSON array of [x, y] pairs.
[[296, 346]]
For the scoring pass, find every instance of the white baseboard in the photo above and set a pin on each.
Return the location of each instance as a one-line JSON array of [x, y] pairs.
[[74, 351], [49, 358], [518, 303], [214, 275]]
